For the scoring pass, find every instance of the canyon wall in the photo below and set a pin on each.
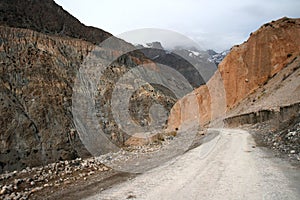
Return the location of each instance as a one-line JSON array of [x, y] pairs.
[[267, 51], [37, 78], [246, 68], [37, 73], [42, 50]]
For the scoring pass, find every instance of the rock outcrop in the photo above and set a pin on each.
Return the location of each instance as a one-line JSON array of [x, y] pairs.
[[267, 51], [245, 69], [42, 49], [45, 16], [37, 73]]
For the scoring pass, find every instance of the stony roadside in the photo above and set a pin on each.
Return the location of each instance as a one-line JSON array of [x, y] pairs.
[[284, 139], [74, 178], [30, 181]]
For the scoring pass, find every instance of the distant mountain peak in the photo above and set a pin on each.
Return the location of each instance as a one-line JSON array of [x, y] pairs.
[[155, 45], [211, 52]]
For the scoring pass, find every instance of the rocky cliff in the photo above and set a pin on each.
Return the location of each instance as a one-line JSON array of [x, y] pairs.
[[42, 49], [267, 51], [244, 70], [37, 73]]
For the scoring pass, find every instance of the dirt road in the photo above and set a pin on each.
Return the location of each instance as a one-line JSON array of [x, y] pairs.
[[228, 167]]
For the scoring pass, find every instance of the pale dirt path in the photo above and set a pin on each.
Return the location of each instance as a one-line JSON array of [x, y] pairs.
[[227, 167]]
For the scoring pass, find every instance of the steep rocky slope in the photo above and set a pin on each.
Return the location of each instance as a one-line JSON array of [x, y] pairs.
[[42, 48], [281, 90], [197, 66], [37, 73], [245, 69], [267, 51], [46, 16], [36, 80]]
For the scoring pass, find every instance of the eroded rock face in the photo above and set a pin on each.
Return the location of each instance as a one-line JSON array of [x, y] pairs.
[[247, 67], [36, 80], [204, 104], [266, 52], [37, 74], [42, 48]]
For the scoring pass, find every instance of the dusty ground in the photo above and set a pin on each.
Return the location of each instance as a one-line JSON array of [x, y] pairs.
[[79, 178], [226, 163], [230, 166]]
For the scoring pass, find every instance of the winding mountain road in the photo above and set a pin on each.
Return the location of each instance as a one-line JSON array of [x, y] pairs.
[[230, 166]]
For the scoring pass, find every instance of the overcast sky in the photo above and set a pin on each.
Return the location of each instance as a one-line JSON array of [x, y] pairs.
[[215, 24]]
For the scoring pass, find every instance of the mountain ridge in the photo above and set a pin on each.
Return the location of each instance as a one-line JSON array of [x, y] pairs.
[[46, 16]]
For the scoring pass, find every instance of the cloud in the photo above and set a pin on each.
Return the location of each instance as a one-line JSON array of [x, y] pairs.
[[215, 23]]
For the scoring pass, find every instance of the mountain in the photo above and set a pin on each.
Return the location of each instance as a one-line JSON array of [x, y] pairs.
[[45, 16], [196, 65], [211, 52], [262, 73], [217, 58], [36, 79], [42, 49]]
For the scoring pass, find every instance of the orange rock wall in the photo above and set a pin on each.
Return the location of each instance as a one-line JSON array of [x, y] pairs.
[[244, 69], [266, 52]]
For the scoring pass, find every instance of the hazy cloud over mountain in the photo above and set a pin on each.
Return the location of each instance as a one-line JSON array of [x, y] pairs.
[[213, 24]]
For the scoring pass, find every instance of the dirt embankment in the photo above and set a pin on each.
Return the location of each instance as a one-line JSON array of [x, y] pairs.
[[277, 117], [276, 129]]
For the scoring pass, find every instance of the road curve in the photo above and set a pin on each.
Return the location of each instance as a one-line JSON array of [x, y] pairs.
[[227, 167]]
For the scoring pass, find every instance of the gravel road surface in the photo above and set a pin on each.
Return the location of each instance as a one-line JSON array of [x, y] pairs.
[[230, 166]]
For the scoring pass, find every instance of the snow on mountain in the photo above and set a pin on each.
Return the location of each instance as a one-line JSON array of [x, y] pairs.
[[218, 57], [192, 52]]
